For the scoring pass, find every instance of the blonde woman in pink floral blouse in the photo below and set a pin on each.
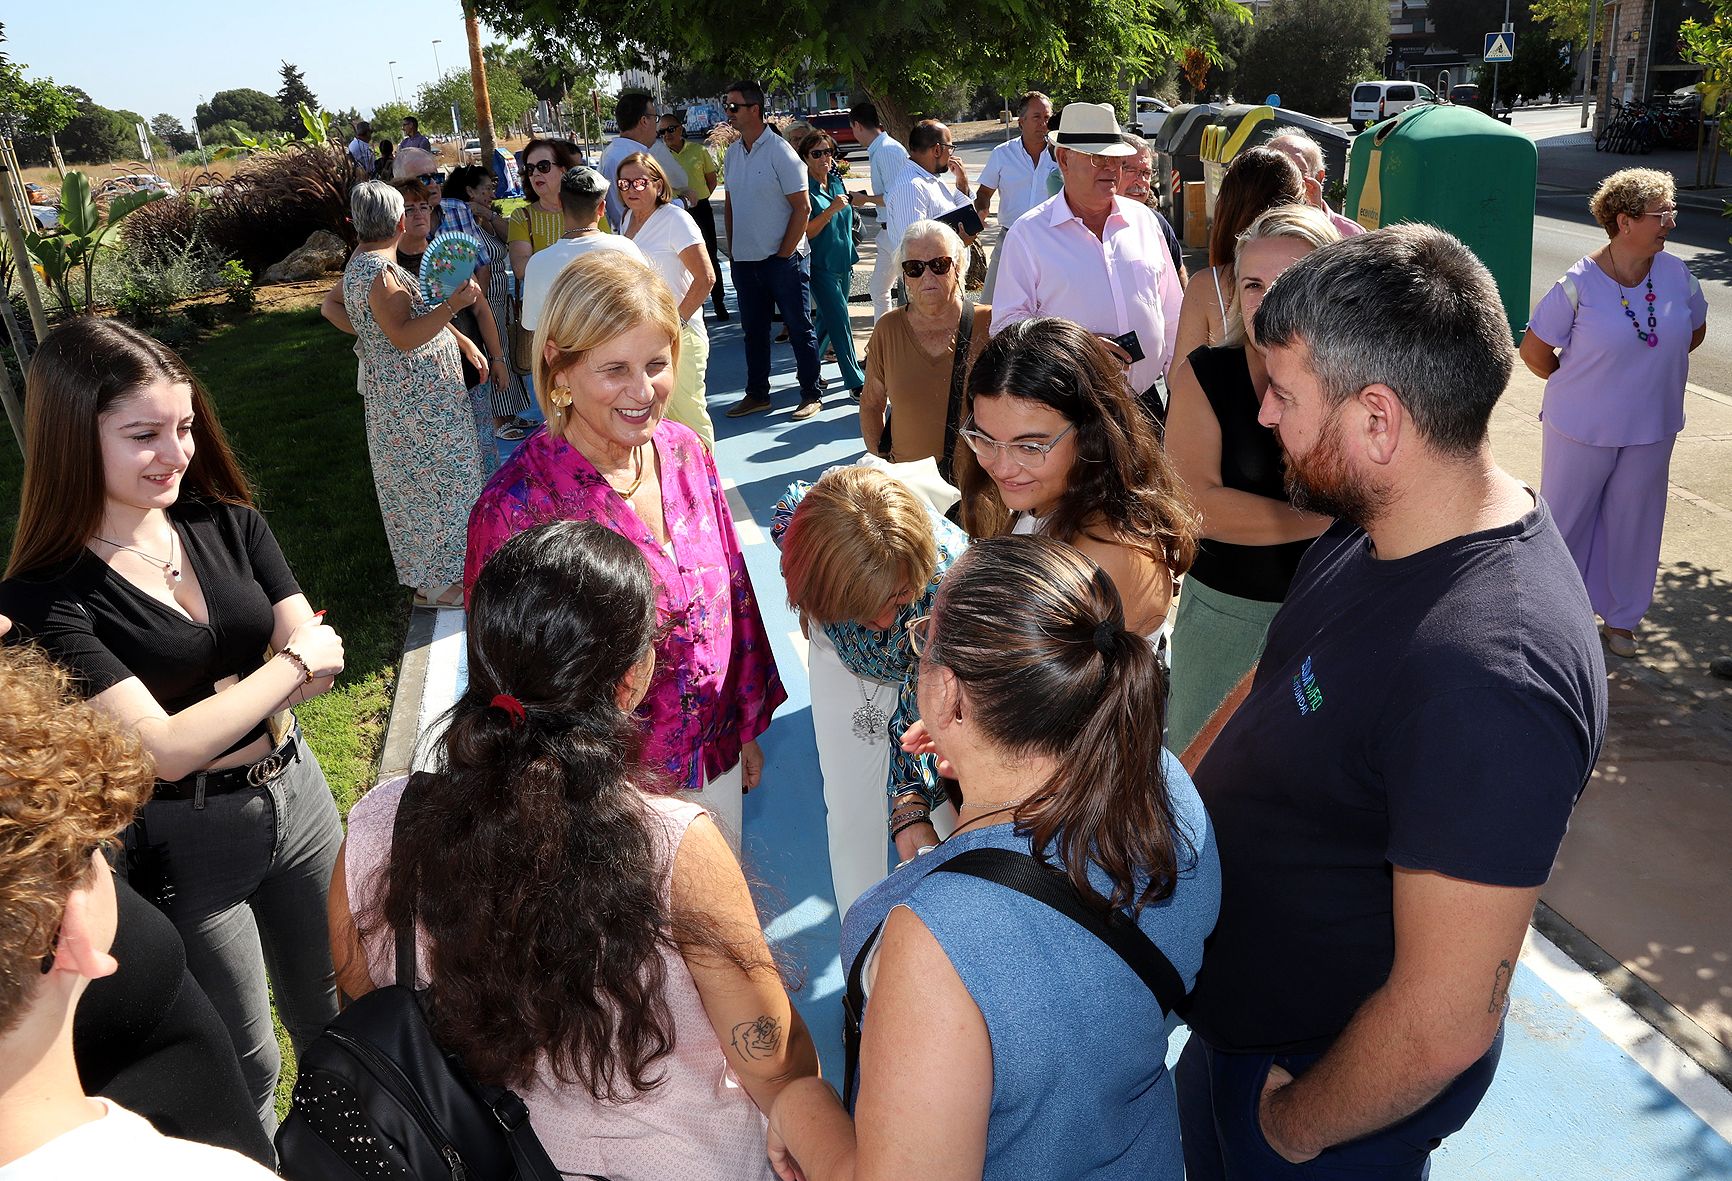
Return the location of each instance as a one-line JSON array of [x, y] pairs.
[[606, 351]]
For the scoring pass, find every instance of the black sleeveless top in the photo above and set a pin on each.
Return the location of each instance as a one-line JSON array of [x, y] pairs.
[[1250, 462]]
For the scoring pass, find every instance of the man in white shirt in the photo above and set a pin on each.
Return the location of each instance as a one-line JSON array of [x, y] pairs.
[[1095, 257], [361, 148], [636, 115], [1017, 170], [580, 194], [1307, 154], [921, 190], [72, 782], [885, 158]]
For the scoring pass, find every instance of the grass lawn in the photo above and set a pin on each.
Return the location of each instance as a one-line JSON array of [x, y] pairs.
[[284, 386]]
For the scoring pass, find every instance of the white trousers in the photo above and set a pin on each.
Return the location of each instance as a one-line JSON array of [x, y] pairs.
[[856, 804], [884, 273], [725, 799]]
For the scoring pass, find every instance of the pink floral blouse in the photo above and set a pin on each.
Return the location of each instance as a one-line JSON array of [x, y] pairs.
[[715, 683]]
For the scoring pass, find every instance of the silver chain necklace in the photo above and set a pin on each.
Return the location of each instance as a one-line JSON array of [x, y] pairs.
[[170, 567], [869, 720]]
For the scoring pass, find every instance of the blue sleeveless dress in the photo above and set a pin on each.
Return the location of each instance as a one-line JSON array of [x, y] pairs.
[[1080, 1086]]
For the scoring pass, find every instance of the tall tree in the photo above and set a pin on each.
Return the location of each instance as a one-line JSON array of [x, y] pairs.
[[1312, 51], [31, 106], [172, 132], [294, 92], [904, 53], [511, 99], [253, 109]]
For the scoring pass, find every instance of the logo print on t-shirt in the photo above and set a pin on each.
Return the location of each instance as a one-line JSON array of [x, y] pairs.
[[1306, 691]]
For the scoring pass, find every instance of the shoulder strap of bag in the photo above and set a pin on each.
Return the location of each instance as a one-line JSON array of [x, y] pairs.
[[958, 371], [1026, 875], [533, 1163]]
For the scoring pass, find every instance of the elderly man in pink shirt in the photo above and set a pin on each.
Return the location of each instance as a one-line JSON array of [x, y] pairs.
[[1095, 257]]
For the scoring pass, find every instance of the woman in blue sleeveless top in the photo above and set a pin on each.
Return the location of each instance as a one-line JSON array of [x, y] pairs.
[[1001, 1038]]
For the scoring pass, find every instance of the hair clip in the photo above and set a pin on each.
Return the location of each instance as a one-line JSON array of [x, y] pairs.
[[512, 707]]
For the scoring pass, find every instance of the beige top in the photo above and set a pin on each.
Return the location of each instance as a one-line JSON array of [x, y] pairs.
[[917, 382]]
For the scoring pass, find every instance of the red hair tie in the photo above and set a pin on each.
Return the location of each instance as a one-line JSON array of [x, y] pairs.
[[513, 708]]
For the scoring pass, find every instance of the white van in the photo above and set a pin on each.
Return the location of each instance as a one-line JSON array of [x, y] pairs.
[[1373, 102]]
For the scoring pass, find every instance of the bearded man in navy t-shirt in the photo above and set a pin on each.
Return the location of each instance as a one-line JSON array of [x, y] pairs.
[[1390, 784]]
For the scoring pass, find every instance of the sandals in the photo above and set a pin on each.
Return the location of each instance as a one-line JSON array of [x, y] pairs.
[[509, 431], [441, 598]]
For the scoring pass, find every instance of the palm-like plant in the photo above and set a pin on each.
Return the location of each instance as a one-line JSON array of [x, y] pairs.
[[85, 230]]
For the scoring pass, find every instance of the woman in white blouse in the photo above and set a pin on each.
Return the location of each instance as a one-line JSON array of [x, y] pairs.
[[674, 245]]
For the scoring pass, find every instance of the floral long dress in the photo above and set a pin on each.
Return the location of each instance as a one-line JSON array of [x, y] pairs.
[[420, 434]]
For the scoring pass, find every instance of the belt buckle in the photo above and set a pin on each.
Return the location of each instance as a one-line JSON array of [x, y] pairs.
[[265, 770]]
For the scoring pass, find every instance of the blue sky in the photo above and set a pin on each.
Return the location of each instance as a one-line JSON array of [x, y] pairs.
[[162, 55]]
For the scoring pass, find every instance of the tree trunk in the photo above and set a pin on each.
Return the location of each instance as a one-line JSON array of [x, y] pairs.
[[894, 111], [478, 79]]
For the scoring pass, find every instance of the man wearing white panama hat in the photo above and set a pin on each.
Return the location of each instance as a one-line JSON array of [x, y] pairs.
[[1094, 257]]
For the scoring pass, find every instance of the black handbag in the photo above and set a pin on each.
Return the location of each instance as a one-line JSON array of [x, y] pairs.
[[377, 1097], [953, 406], [1026, 875]]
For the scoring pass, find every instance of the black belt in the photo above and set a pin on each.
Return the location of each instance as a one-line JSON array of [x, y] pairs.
[[215, 783]]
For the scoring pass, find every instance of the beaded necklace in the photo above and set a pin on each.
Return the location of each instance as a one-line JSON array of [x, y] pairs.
[[1651, 337]]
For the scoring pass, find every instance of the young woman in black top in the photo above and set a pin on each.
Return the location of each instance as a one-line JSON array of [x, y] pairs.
[[1253, 537], [142, 568]]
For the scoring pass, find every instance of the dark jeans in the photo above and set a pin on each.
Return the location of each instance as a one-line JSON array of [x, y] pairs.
[[243, 877], [1218, 1099], [705, 215], [780, 283]]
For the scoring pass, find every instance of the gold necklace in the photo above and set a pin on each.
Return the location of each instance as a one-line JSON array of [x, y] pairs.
[[639, 467]]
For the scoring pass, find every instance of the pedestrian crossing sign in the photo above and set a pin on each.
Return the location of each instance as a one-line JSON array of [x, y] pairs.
[[1499, 47]]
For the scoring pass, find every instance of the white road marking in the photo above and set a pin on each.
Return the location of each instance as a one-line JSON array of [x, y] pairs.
[[1670, 1066], [745, 528]]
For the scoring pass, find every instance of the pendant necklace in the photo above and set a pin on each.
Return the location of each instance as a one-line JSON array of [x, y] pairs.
[[170, 567], [869, 720]]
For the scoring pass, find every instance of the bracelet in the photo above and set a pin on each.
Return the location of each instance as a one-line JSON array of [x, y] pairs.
[[295, 659], [910, 810], [898, 829]]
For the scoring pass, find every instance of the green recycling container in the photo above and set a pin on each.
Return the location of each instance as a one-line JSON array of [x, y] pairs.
[[1460, 170]]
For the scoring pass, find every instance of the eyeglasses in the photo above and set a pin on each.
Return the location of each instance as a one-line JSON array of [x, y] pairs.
[[820, 153], [1104, 163], [916, 267], [1026, 455], [542, 166], [916, 629], [1668, 217], [431, 178], [731, 108]]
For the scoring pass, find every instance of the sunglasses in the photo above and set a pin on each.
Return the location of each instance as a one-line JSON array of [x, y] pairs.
[[820, 153], [636, 184], [916, 267], [431, 178], [667, 131], [731, 108], [542, 166]]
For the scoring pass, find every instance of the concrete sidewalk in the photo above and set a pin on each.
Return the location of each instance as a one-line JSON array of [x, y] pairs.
[[1567, 166]]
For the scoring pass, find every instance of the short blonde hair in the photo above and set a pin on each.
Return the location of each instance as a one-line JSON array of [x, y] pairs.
[[926, 228], [1303, 223], [1629, 191], [859, 536], [647, 162], [597, 297]]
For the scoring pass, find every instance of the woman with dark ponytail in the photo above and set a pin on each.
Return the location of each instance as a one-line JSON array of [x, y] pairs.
[[587, 941], [1001, 1038]]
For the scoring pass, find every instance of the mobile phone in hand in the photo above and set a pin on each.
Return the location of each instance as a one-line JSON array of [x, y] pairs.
[[1129, 342]]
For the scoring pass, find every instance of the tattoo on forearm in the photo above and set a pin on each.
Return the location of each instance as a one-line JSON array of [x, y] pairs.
[[755, 1040], [1500, 987]]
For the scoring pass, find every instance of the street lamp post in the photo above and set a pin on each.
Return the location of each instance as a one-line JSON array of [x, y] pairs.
[[391, 72], [438, 72]]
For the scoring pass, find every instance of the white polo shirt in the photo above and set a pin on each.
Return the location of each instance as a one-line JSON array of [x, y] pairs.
[[759, 183], [1019, 181]]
